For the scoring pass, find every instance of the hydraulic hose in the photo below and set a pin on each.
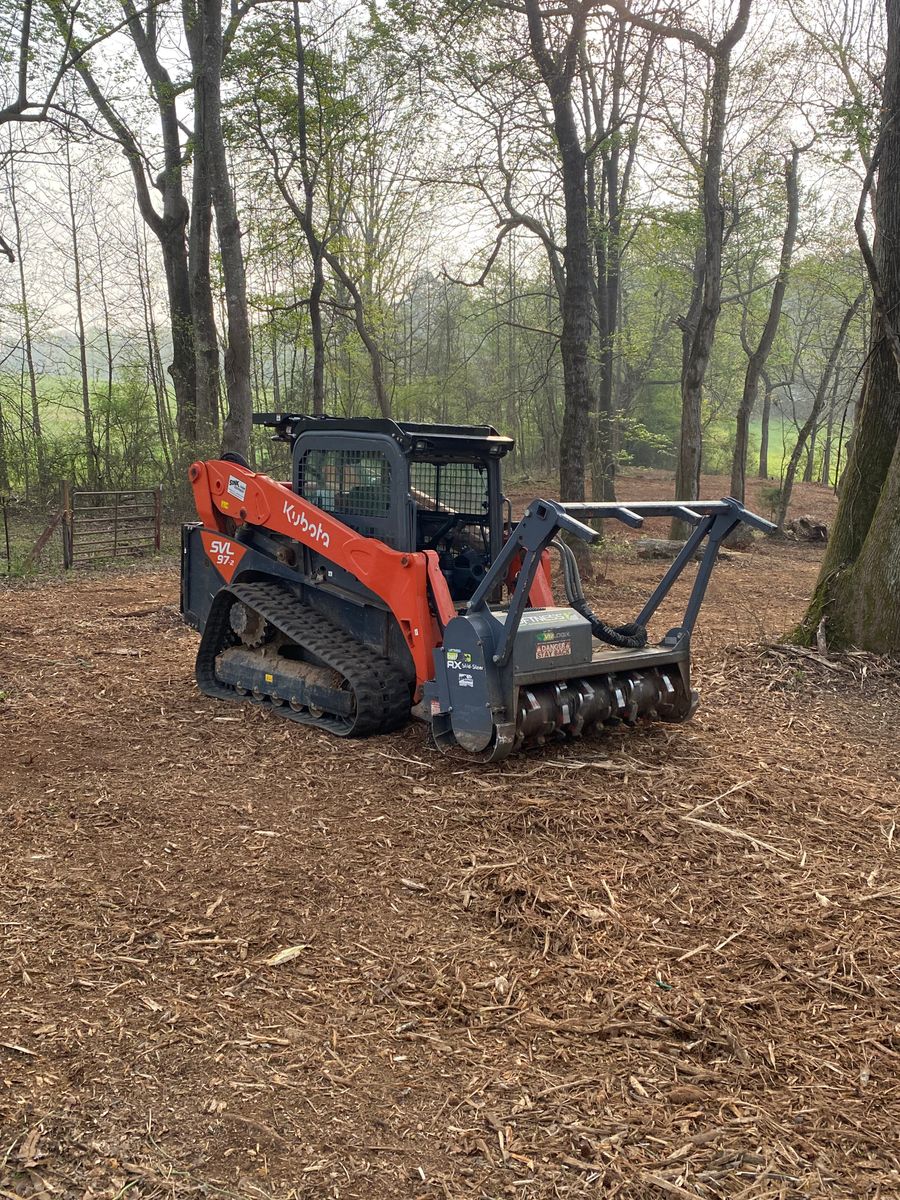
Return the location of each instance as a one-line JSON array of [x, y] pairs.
[[625, 637]]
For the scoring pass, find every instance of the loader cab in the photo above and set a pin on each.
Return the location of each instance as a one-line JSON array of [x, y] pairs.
[[412, 486], [456, 508]]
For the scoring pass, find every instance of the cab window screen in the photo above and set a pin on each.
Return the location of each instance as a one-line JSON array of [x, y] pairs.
[[351, 483], [460, 487]]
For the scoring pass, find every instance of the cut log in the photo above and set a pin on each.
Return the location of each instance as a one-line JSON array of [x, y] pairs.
[[670, 548]]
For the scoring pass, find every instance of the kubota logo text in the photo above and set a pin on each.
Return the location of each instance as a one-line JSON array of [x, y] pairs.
[[299, 519]]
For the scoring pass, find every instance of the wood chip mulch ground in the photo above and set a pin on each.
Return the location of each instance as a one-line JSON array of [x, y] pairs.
[[243, 959]]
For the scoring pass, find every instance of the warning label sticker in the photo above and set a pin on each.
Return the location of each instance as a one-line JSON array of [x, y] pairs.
[[558, 649], [237, 487]]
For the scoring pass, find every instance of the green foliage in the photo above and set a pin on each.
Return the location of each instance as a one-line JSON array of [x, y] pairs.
[[387, 177], [770, 496], [126, 432]]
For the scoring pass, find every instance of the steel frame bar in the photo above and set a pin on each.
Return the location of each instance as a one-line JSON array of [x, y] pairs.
[[713, 520]]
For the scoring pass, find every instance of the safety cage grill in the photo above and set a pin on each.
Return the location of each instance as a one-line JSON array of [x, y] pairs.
[[352, 483], [451, 487]]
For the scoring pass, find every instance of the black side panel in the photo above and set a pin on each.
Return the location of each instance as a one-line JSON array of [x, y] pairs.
[[199, 579]]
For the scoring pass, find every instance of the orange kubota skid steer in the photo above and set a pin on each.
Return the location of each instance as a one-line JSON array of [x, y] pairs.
[[388, 579]]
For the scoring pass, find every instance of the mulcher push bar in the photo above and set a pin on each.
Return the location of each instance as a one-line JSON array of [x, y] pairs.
[[713, 521]]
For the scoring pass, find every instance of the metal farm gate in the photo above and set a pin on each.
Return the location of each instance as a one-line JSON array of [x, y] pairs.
[[110, 524]]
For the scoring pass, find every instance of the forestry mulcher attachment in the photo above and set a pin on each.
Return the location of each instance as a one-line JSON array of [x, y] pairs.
[[388, 579]]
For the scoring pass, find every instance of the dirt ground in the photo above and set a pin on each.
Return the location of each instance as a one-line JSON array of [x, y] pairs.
[[241, 958]]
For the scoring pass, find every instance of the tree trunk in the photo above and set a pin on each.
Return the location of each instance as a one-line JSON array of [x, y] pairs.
[[557, 71], [307, 223], [206, 338], [808, 427], [600, 210], [276, 373], [825, 476], [365, 334], [811, 454], [616, 148], [206, 53], [757, 361], [154, 365], [864, 607], [4, 462], [608, 264], [690, 452], [183, 368], [169, 227], [93, 472], [107, 338], [37, 432], [858, 585], [763, 472], [318, 338]]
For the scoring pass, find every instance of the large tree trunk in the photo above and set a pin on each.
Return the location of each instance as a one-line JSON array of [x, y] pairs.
[[206, 51], [757, 361], [864, 601], [171, 230], [877, 429], [168, 227], [859, 585], [702, 336], [206, 339], [557, 71], [306, 218]]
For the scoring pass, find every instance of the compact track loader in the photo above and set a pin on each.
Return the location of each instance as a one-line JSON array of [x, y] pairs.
[[388, 579]]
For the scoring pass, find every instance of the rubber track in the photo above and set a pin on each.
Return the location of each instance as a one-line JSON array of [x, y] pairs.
[[381, 692]]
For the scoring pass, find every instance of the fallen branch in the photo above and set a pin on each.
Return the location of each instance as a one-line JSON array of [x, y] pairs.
[[727, 831]]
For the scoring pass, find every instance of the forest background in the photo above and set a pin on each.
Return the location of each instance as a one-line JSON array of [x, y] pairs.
[[622, 237]]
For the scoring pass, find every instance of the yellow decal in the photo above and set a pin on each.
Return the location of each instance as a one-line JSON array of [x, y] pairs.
[[270, 679]]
